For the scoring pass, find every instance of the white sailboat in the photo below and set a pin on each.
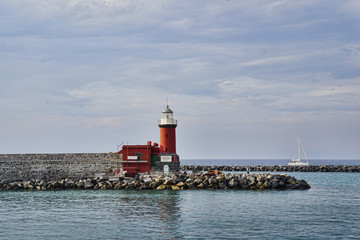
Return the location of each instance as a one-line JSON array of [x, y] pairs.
[[297, 161]]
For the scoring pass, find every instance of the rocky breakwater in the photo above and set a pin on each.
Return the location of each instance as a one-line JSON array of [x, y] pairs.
[[179, 181], [276, 168]]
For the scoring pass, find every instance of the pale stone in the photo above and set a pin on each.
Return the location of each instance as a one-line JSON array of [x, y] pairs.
[[180, 184], [161, 187]]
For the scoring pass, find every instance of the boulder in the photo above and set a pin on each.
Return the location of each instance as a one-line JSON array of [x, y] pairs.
[[180, 184], [201, 185], [189, 180], [87, 185], [143, 186], [147, 180], [274, 184], [137, 183], [220, 177], [302, 184], [233, 183], [159, 180], [161, 187], [169, 182], [197, 181], [117, 186], [79, 184], [222, 185], [130, 186], [212, 181], [262, 187], [15, 186], [153, 185]]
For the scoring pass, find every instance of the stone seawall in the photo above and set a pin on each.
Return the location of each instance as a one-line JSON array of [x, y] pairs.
[[179, 181], [56, 166], [311, 168]]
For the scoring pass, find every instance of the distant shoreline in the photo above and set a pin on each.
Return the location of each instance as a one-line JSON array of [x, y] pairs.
[[266, 162], [275, 168]]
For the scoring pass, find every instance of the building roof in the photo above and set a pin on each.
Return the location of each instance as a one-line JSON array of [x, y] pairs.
[[167, 110]]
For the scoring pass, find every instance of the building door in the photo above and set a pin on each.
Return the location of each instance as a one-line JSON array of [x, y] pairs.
[[166, 169]]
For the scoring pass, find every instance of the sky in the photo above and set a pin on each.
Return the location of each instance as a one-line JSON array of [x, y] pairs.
[[244, 78]]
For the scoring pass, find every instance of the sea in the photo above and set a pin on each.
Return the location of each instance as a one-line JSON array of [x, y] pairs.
[[265, 162], [328, 210]]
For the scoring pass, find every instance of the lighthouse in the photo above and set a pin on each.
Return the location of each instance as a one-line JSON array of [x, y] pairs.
[[152, 158], [169, 160]]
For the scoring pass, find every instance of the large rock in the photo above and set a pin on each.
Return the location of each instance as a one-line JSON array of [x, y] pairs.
[[137, 183], [223, 185], [169, 182], [212, 181], [180, 184], [220, 177], [233, 183], [161, 187], [147, 180], [79, 184], [88, 185], [117, 186]]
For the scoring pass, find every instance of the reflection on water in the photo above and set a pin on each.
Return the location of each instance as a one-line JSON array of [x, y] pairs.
[[90, 214], [155, 211]]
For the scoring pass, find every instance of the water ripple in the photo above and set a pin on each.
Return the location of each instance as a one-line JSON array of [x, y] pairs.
[[329, 210]]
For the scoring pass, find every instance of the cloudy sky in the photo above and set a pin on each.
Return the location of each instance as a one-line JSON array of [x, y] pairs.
[[243, 78]]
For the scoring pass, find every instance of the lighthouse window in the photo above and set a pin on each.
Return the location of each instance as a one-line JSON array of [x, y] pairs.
[[166, 136]]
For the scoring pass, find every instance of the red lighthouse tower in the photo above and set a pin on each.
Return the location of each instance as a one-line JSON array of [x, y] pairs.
[[167, 126]]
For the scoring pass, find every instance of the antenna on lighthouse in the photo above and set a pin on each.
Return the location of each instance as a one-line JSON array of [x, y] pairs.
[[167, 101]]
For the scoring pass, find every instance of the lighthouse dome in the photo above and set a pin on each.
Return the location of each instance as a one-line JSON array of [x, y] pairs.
[[167, 110]]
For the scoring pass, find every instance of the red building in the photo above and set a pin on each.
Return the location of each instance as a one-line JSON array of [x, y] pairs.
[[152, 158], [139, 158]]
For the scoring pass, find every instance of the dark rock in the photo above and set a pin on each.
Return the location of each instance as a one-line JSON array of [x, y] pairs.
[[233, 183], [212, 180]]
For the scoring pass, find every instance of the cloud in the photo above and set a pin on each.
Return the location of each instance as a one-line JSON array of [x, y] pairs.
[[270, 61], [351, 7], [292, 97], [226, 66]]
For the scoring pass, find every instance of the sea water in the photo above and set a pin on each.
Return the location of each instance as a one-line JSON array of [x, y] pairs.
[[265, 162], [329, 210]]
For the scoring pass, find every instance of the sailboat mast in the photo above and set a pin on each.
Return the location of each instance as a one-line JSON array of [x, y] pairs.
[[302, 146]]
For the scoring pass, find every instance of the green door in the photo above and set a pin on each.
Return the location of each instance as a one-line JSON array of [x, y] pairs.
[[153, 159]]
